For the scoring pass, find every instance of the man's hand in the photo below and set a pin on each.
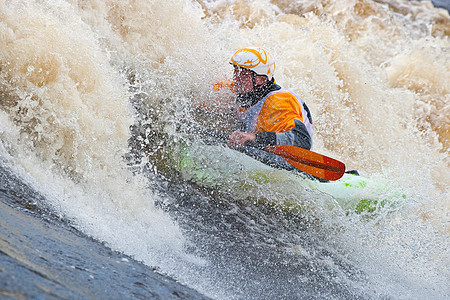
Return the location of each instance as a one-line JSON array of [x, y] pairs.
[[238, 138]]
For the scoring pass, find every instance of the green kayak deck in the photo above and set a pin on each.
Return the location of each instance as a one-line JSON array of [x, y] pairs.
[[232, 172]]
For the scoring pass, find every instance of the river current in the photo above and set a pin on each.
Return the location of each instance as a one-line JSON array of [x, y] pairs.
[[92, 97]]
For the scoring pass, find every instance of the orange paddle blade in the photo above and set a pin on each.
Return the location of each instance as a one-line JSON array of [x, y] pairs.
[[310, 162]]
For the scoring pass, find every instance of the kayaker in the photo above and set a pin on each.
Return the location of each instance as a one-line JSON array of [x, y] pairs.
[[268, 114]]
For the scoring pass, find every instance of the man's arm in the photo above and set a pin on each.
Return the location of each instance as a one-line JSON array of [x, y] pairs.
[[298, 136]]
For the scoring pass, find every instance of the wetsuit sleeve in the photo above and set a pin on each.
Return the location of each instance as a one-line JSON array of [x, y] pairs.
[[298, 136], [263, 139]]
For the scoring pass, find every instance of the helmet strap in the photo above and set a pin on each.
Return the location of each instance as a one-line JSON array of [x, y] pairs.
[[255, 86], [254, 80]]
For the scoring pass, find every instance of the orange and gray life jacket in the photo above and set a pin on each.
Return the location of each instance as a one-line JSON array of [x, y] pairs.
[[279, 118]]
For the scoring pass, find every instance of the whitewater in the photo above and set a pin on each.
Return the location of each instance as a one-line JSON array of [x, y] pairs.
[[92, 97]]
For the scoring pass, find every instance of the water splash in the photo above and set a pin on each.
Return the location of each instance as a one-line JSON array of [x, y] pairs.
[[76, 75]]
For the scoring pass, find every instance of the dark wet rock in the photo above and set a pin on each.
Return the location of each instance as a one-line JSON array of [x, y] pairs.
[[42, 257]]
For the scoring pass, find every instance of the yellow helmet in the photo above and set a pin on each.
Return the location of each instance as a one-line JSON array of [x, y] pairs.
[[256, 59]]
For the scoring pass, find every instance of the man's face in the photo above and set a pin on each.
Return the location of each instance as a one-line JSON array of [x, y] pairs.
[[243, 82]]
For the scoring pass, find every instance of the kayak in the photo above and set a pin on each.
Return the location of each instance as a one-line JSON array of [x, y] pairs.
[[247, 178]]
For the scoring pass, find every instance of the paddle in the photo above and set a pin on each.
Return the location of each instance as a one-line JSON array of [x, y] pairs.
[[310, 162]]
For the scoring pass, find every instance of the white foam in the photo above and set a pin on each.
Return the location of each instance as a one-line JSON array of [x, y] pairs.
[[374, 74]]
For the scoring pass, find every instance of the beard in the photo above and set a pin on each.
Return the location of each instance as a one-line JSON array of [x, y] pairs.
[[249, 99]]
